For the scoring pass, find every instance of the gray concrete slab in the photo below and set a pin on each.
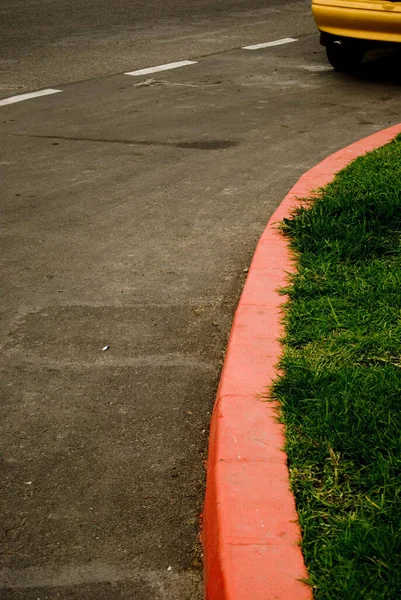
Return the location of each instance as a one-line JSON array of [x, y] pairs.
[[129, 216]]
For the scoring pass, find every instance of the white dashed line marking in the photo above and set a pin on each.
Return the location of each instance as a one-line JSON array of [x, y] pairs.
[[22, 97], [270, 44], [167, 67], [147, 71]]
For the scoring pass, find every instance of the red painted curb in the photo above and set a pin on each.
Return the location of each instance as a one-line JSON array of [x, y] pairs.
[[250, 530]]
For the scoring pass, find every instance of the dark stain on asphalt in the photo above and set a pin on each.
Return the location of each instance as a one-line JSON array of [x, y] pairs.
[[190, 145], [207, 145]]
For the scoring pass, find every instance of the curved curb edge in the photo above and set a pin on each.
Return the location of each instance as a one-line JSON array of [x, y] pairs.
[[251, 536]]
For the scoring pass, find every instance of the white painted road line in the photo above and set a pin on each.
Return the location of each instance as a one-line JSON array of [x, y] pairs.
[[270, 44], [22, 97], [167, 67]]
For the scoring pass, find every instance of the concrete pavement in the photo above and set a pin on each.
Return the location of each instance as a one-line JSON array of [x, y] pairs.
[[129, 215]]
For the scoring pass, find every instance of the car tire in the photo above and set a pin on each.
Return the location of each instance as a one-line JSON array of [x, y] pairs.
[[344, 55]]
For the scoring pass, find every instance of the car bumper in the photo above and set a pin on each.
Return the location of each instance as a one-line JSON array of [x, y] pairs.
[[362, 22]]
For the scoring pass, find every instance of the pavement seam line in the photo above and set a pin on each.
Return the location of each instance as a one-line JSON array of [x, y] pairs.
[[5, 101]]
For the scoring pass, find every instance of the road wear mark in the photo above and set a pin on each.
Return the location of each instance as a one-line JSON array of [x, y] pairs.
[[96, 572], [148, 82], [270, 44], [153, 361], [22, 97], [166, 67], [191, 145]]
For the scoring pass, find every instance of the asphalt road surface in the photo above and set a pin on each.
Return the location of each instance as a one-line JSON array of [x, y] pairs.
[[131, 206], [48, 42]]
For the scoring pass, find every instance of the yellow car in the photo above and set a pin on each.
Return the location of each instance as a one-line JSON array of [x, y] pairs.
[[349, 28]]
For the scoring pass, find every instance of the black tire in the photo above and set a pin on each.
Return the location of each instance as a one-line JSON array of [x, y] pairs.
[[344, 55]]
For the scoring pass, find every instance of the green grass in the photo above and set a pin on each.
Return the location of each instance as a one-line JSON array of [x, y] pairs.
[[341, 385]]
